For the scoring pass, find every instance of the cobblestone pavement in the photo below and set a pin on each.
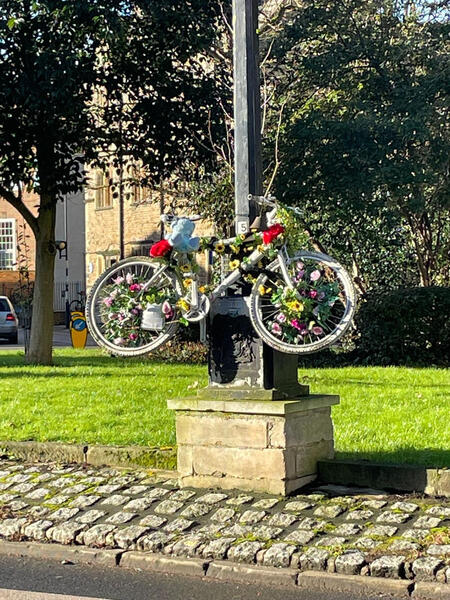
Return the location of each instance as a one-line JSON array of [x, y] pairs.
[[342, 530]]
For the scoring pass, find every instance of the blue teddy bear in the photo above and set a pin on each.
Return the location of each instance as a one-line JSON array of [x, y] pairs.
[[180, 238]]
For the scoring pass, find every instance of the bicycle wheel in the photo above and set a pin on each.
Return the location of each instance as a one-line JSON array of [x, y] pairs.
[[311, 315], [115, 305]]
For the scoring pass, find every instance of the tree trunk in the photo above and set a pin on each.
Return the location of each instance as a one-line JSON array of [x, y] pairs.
[[41, 340]]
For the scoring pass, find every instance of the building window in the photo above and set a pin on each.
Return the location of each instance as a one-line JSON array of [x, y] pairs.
[[8, 243], [102, 189]]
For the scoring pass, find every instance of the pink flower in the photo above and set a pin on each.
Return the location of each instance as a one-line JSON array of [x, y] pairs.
[[167, 309], [121, 317], [276, 329], [295, 324], [133, 336], [315, 275], [317, 330], [118, 280], [134, 311], [313, 294], [300, 265], [281, 318], [135, 287], [108, 301], [129, 278], [119, 341]]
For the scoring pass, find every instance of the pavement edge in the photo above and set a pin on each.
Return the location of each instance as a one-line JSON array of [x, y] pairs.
[[229, 571]]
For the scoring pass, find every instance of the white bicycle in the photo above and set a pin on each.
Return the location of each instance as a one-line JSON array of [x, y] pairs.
[[300, 302]]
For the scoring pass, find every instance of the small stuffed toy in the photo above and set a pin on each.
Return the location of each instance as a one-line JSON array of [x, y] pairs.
[[180, 239]]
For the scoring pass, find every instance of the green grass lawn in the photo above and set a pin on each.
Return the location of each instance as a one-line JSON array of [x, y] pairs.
[[386, 414]]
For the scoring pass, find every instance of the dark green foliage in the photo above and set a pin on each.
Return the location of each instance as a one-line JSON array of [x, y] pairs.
[[405, 326], [364, 139]]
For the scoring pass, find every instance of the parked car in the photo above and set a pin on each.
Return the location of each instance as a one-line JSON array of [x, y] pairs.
[[9, 323]]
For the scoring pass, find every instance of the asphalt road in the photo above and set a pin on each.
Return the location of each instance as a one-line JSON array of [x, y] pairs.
[[76, 581]]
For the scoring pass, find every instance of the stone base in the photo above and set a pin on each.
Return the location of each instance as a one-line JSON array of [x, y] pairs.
[[256, 445]]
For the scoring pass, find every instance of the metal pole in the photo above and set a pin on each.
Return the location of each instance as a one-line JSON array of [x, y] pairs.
[[247, 111], [66, 291]]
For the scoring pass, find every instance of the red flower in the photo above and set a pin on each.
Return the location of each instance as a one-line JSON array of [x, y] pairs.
[[270, 234], [160, 248]]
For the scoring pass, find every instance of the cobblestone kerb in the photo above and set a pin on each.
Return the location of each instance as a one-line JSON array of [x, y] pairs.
[[331, 529]]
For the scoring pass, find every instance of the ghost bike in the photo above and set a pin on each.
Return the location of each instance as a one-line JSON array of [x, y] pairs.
[[300, 301]]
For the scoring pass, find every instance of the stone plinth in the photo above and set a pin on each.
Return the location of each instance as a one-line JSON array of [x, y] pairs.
[[260, 445]]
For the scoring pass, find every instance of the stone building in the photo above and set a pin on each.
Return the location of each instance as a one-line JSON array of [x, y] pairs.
[[127, 224]]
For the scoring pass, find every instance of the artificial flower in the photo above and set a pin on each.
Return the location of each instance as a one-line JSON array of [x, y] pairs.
[[161, 248], [118, 280], [183, 304], [119, 341], [185, 268], [317, 330], [276, 329], [315, 275], [281, 318], [219, 247], [187, 282], [296, 306], [273, 232], [133, 336], [108, 301], [234, 248], [135, 287], [202, 289], [234, 264], [167, 309], [313, 294], [129, 278]]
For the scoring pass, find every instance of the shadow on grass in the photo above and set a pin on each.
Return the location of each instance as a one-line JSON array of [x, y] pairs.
[[406, 455]]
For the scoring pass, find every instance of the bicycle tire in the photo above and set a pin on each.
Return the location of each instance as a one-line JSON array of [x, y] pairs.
[[341, 313], [96, 312]]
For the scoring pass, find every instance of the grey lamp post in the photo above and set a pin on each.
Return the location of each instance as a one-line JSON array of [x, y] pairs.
[[240, 364]]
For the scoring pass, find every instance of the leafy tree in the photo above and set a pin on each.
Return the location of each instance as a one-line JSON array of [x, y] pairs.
[[83, 82], [364, 143]]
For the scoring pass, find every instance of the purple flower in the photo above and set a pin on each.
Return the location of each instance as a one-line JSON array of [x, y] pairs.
[[321, 296], [315, 275]]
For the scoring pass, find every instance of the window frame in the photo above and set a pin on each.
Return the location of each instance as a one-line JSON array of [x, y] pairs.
[[13, 249]]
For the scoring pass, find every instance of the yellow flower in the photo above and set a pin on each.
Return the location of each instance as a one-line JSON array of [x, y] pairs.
[[263, 290], [187, 282], [234, 264], [242, 236], [202, 289], [185, 268], [219, 247], [183, 304], [234, 248], [249, 248], [296, 306], [260, 248]]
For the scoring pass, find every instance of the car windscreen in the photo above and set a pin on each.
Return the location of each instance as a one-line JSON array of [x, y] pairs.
[[4, 306]]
